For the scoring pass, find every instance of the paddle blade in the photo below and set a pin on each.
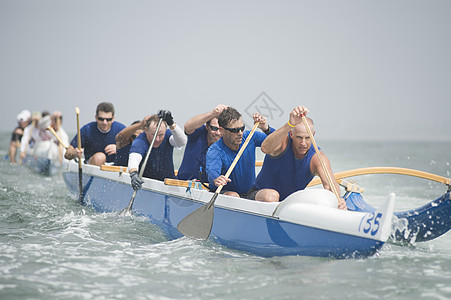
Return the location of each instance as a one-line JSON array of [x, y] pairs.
[[197, 225], [128, 210]]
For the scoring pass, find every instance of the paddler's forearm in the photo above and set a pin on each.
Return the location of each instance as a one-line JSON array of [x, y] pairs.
[[123, 137], [70, 153], [178, 138], [134, 159], [274, 141], [196, 122]]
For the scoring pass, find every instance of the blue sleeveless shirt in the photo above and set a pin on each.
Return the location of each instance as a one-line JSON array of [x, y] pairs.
[[285, 173], [194, 156], [122, 156], [160, 164]]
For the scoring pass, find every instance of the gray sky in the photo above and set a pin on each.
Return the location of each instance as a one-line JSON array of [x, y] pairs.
[[365, 69]]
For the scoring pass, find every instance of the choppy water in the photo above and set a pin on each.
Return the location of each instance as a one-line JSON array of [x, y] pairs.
[[53, 248]]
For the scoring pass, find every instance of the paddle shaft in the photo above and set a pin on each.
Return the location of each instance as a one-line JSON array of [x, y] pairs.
[[60, 145], [323, 165], [57, 137], [143, 166], [141, 171], [80, 167]]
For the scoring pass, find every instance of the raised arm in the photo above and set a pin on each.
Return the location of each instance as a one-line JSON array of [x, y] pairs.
[[123, 137], [263, 126], [277, 141], [195, 122]]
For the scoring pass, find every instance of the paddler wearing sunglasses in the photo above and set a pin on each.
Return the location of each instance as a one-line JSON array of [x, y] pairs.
[[221, 154], [98, 138], [202, 131]]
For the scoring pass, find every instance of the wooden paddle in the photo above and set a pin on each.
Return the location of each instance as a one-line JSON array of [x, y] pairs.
[[386, 170], [128, 210], [80, 167], [329, 179], [60, 145], [197, 225], [57, 137]]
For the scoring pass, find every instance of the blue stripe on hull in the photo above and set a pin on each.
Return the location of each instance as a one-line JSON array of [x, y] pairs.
[[238, 230]]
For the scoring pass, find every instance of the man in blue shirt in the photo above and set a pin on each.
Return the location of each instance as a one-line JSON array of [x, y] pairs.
[[98, 141], [291, 161], [160, 164], [202, 131], [221, 154]]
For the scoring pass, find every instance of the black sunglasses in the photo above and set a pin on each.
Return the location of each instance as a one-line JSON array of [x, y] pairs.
[[103, 119], [213, 128], [235, 130]]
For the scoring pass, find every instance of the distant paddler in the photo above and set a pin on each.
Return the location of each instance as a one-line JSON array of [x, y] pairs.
[[31, 134], [61, 135], [23, 120], [58, 131]]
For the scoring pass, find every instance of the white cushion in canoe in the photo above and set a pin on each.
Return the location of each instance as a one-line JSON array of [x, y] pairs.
[[320, 197]]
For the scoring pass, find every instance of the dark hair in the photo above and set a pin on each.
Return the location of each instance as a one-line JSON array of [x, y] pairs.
[[45, 113], [229, 114], [106, 107]]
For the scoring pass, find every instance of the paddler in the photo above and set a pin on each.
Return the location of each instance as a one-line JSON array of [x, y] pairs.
[[221, 154], [23, 119], [98, 138], [160, 164], [291, 161], [202, 131]]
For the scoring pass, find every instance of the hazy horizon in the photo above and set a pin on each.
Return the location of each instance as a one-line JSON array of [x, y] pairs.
[[367, 70]]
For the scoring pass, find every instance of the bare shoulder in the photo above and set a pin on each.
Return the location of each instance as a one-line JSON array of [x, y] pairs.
[[18, 130]]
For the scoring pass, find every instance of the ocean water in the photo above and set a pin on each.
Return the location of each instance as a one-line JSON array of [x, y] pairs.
[[53, 248]]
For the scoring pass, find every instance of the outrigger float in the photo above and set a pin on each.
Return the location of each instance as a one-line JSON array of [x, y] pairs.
[[307, 223], [421, 224]]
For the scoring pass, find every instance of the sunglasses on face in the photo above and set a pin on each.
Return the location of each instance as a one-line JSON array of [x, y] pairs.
[[103, 119], [213, 128], [235, 130]]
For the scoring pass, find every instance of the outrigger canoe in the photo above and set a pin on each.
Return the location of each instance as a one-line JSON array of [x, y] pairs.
[[307, 223]]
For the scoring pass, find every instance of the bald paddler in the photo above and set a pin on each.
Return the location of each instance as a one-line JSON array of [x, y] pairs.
[[291, 161]]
